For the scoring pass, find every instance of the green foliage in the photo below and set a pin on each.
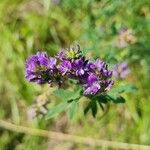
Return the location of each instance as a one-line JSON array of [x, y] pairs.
[[70, 99], [67, 95], [123, 89], [72, 110], [92, 105], [28, 26], [116, 99], [55, 110], [101, 100], [112, 96]]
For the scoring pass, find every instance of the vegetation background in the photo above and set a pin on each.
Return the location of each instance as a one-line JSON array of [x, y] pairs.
[[27, 26]]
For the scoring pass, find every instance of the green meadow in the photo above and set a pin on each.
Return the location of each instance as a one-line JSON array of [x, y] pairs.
[[28, 26]]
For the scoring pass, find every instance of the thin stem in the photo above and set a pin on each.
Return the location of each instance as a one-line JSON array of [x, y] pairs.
[[70, 138]]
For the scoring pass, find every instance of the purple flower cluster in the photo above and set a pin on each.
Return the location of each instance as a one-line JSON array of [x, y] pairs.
[[93, 76], [40, 68]]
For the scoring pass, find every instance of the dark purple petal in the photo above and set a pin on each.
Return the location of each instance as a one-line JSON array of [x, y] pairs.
[[42, 58], [52, 62], [93, 89], [100, 64], [107, 73], [80, 72], [61, 55], [78, 67], [78, 63], [64, 67], [91, 66], [109, 84], [91, 78]]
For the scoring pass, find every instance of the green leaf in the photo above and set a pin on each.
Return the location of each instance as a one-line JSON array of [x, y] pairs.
[[87, 108], [123, 89], [114, 96], [102, 98], [72, 109], [116, 99], [67, 95], [119, 99], [101, 106], [56, 110], [94, 108], [91, 106]]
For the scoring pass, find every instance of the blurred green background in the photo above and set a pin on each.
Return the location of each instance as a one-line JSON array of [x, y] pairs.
[[27, 26]]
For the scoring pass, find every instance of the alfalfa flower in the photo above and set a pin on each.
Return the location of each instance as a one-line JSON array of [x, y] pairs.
[[92, 79], [92, 85], [39, 68], [121, 70], [98, 78], [64, 67], [79, 66], [93, 76]]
